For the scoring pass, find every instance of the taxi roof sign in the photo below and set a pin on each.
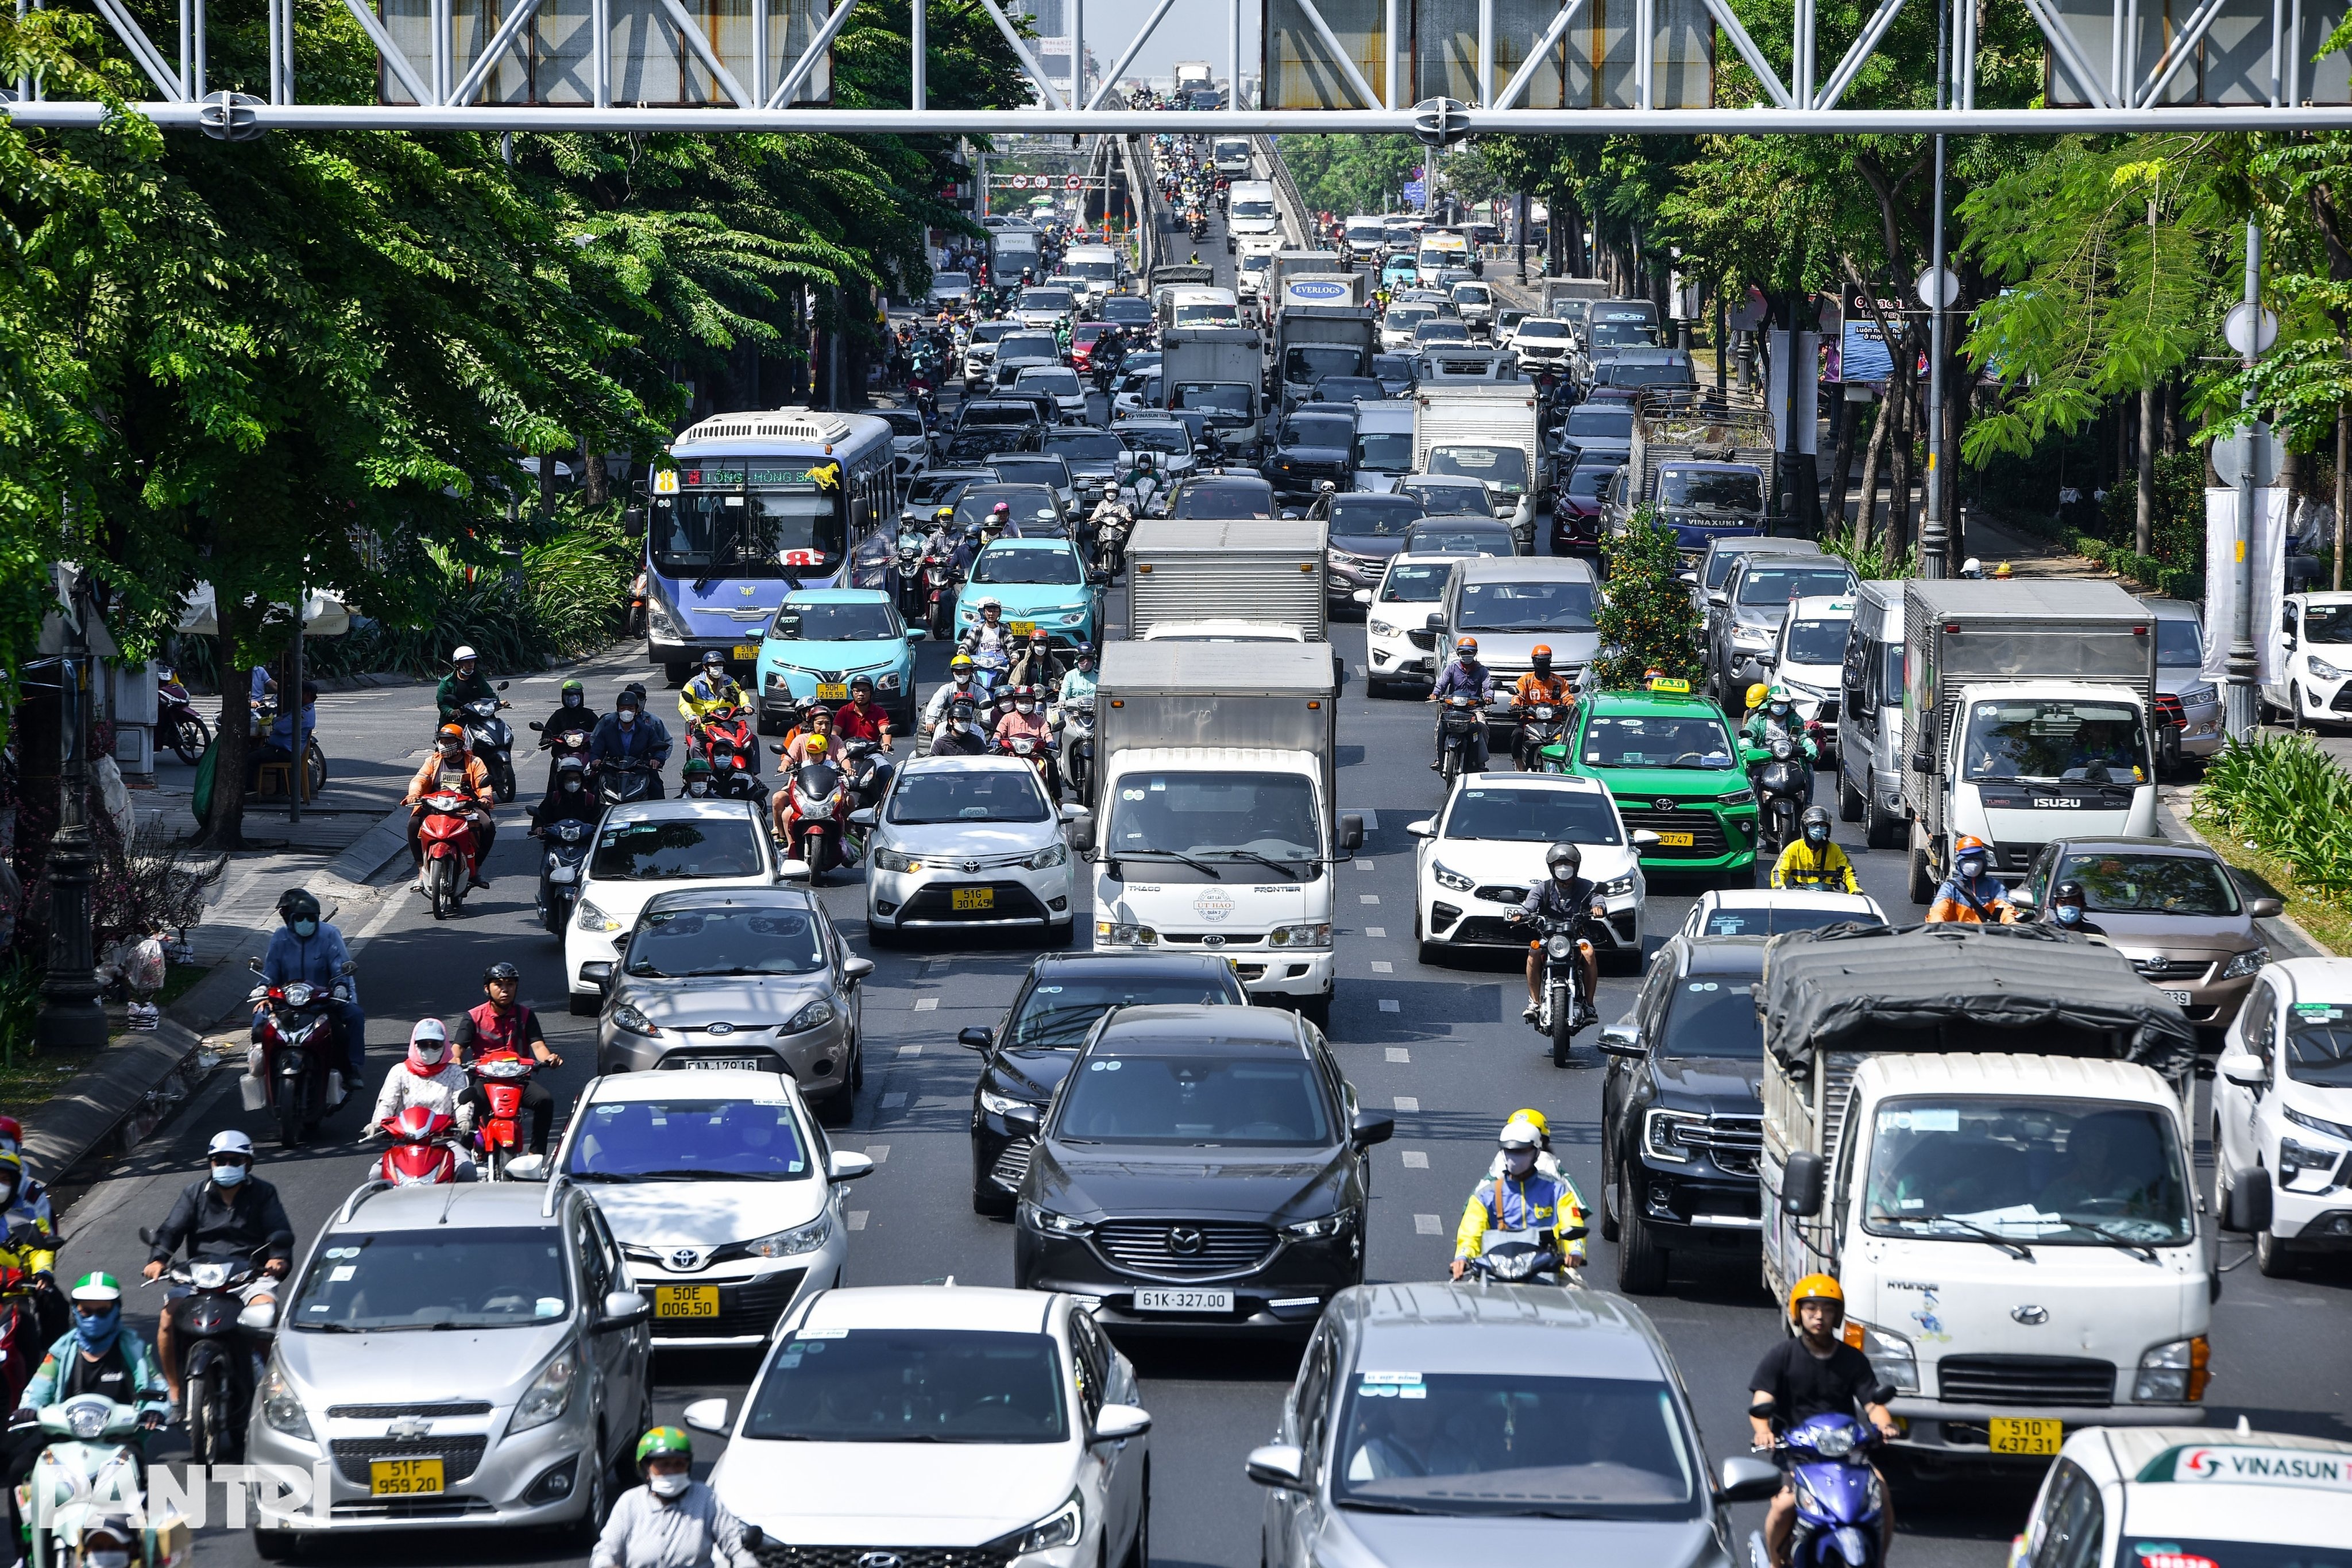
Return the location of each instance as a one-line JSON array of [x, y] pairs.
[[1666, 686], [2247, 1465]]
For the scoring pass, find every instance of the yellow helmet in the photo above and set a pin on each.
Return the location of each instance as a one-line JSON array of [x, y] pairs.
[[815, 745], [1815, 1288], [1756, 694], [1534, 1118]]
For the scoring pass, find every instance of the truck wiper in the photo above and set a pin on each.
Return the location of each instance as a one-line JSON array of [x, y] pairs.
[[1990, 1237], [1277, 867], [1200, 866], [2139, 1248]]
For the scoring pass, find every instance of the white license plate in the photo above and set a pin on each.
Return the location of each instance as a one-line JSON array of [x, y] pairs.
[[1153, 1301], [2177, 998], [718, 1064]]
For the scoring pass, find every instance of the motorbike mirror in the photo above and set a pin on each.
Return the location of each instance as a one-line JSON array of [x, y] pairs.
[[1645, 839], [147, 1234], [1371, 1127], [1804, 1184], [976, 1040], [527, 1168], [777, 747], [254, 964], [845, 1165], [347, 967], [1748, 1479], [597, 975], [856, 969], [536, 726], [502, 685]]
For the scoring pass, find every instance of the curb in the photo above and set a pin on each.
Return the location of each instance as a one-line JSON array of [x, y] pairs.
[[2304, 944], [110, 1105], [374, 849]]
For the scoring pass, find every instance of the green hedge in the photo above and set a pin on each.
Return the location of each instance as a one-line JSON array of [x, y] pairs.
[[2284, 796], [2172, 581]]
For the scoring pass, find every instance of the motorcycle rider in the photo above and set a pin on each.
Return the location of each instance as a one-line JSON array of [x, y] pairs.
[[465, 683], [816, 725], [1811, 861], [99, 1354], [503, 1024], [1539, 688], [1564, 894], [1972, 895], [572, 712], [673, 1521], [227, 1213], [1521, 1198], [306, 949], [29, 1198], [1463, 676], [1813, 1373], [1542, 1124], [453, 768], [694, 780], [813, 749], [2069, 911], [568, 799], [959, 685], [958, 734], [860, 718], [1777, 719], [431, 1077], [1037, 665], [712, 689], [1027, 723], [989, 640], [629, 733]]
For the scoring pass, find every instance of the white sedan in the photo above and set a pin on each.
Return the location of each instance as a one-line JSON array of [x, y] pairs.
[[1479, 857], [1398, 646], [1769, 912], [966, 841], [930, 1423], [2315, 673], [654, 846]]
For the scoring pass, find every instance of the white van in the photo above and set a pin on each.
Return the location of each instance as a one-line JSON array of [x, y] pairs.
[[1100, 266], [1870, 717]]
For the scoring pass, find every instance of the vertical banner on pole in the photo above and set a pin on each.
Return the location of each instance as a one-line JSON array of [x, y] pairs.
[[2267, 551], [1806, 389]]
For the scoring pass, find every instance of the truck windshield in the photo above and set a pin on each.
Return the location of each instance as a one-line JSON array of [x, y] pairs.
[[1260, 208], [1386, 452], [1525, 608], [1713, 1015], [2048, 1172], [1363, 234], [1624, 335], [2152, 884], [1213, 396], [1103, 271], [1504, 465], [1532, 816], [2319, 1044], [1821, 641], [1657, 740], [2052, 740], [1303, 364], [1047, 300], [1714, 489], [1221, 823], [1777, 585], [727, 533], [1213, 314]]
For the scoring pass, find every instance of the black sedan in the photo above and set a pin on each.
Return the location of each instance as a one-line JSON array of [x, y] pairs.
[[1024, 1059], [1219, 497], [1202, 1171]]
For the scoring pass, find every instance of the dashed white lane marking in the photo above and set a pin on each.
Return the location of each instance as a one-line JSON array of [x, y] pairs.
[[893, 1102], [1390, 1004], [927, 1004], [1415, 1160], [1426, 1225], [1398, 1054], [1371, 821], [878, 1152], [916, 1049], [1368, 898], [857, 1218], [1382, 966], [1408, 1102], [1366, 866], [1381, 931]]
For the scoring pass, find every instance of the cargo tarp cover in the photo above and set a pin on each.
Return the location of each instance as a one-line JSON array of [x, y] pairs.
[[1873, 989]]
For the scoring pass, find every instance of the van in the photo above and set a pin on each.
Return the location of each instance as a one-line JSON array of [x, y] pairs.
[[1099, 266], [1198, 307], [1870, 725]]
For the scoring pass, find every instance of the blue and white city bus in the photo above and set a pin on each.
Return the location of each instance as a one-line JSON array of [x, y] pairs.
[[750, 506]]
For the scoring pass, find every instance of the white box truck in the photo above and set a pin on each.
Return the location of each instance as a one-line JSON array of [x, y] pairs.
[[1488, 431], [1557, 291], [1980, 1132], [1217, 827], [1193, 569], [1250, 209], [2025, 707], [1325, 289]]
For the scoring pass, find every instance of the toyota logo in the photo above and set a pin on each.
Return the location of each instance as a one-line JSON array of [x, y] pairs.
[[2032, 1317], [1186, 1241], [1662, 803], [877, 1560], [685, 1259], [969, 867], [720, 1029]]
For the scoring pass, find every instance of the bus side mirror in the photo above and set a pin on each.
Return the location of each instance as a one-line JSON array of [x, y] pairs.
[[632, 523]]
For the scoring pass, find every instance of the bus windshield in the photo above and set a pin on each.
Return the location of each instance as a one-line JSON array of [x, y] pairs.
[[715, 527]]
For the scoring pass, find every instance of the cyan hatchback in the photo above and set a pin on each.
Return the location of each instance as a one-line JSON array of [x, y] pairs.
[[1041, 583], [823, 637]]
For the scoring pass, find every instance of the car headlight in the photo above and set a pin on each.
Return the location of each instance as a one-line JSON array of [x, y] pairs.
[[1052, 1224], [1056, 854], [280, 1406], [1312, 934], [790, 1242], [549, 1395], [2318, 1124], [1617, 887], [2172, 1373], [593, 918], [1324, 1229], [1449, 878], [891, 860], [2295, 1157], [816, 1012], [627, 1018], [997, 1104], [887, 681], [2323, 670], [2245, 964], [1892, 1359], [1382, 630], [1661, 1135], [1060, 1528], [1739, 797], [1125, 934], [2199, 695], [1751, 636]]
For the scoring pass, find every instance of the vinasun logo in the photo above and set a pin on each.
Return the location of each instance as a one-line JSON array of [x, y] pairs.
[[2264, 1467]]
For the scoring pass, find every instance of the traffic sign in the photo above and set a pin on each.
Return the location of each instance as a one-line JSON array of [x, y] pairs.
[[2230, 456], [1415, 192], [1073, 183], [2234, 329], [1938, 287]]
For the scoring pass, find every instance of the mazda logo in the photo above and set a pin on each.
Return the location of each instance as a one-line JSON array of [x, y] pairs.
[[1662, 803], [2032, 1317], [720, 1029], [877, 1560], [1186, 1241]]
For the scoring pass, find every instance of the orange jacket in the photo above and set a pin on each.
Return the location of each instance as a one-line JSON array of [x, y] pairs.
[[428, 779], [1532, 689]]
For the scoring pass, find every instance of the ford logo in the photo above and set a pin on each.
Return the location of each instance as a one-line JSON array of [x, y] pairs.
[[2032, 1317], [720, 1029], [1316, 290], [1186, 1241]]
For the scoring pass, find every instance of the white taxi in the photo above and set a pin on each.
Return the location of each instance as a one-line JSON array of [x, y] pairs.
[[2314, 684], [657, 847], [2181, 1497], [1478, 858]]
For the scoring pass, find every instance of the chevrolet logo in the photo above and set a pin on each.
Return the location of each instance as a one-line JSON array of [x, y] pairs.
[[408, 1426]]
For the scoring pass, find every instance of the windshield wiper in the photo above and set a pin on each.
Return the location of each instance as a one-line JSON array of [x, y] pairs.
[[2104, 1234], [1200, 866], [1367, 1506], [2017, 1250], [1277, 867]]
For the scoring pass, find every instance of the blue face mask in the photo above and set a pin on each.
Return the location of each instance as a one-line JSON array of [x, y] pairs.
[[97, 1331], [306, 928], [2069, 914], [228, 1176], [1971, 868]]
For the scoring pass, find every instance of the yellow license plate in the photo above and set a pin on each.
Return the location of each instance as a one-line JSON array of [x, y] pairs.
[[746, 652], [1022, 629], [1678, 840], [2023, 1435], [403, 1478], [686, 1300], [973, 898], [827, 693]]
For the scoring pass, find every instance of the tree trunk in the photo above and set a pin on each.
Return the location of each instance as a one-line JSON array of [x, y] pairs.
[[546, 483], [1841, 463], [1866, 512], [224, 826], [599, 483]]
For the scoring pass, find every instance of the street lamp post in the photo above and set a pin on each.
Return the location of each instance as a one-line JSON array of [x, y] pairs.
[[2238, 714], [70, 1016]]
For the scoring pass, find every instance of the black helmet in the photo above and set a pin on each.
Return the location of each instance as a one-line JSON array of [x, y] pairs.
[[570, 772], [2068, 893], [297, 904], [1564, 853], [630, 697], [503, 971], [1815, 817]]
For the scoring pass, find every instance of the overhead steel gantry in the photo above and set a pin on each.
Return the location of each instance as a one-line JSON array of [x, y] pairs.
[[1445, 69]]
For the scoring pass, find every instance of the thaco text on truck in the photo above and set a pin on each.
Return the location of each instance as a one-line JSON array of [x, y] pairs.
[[1216, 826], [1979, 1131], [2026, 709]]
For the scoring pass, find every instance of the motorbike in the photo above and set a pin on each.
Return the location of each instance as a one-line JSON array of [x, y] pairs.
[[1840, 1499], [939, 593], [626, 779], [907, 576], [424, 1151], [1037, 751], [32, 1313], [314, 759], [1111, 528], [451, 853], [217, 1335], [562, 743], [637, 605], [1460, 720], [1523, 1258], [1076, 718], [89, 1473], [1561, 1006], [498, 1137], [818, 816], [989, 666], [862, 769], [559, 870], [1541, 724], [735, 767], [490, 738], [294, 1069], [1779, 794], [178, 723]]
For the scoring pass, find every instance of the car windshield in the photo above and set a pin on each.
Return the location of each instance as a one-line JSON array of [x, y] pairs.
[[1047, 300], [2067, 1173], [1542, 606], [1472, 294], [1051, 472], [1441, 332], [1415, 583], [1028, 566], [1779, 584], [1208, 313], [1306, 364], [1028, 345], [1097, 444], [966, 795], [1587, 484], [990, 331], [1348, 389], [1815, 640], [910, 1385], [1203, 1101], [929, 493], [689, 1140], [2319, 1046], [1025, 502], [1213, 396], [1499, 1445], [1404, 318], [675, 850], [1392, 367], [1427, 539], [1127, 312], [1624, 335], [1316, 430], [1215, 501], [1600, 421], [1372, 517], [1236, 827], [1386, 452], [455, 1277], [1531, 816], [1624, 374], [950, 282], [2328, 624], [1061, 1011], [901, 423], [797, 622], [1543, 329], [1505, 465], [686, 944], [1715, 490], [1712, 1015], [2179, 645], [1772, 920], [1451, 501], [2152, 884], [1657, 740], [1168, 438], [1060, 382], [2049, 739]]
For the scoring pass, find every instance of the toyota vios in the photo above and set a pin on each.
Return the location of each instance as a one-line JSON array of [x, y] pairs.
[[1201, 1170]]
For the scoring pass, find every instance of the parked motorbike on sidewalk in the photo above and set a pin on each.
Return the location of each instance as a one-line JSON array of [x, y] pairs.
[[295, 1069], [498, 1135], [567, 845], [451, 853], [490, 738], [178, 723]]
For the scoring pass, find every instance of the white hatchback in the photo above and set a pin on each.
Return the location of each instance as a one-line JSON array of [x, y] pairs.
[[2283, 1104], [2315, 673], [1478, 858], [1398, 646], [966, 841], [656, 846], [930, 1423], [1769, 912]]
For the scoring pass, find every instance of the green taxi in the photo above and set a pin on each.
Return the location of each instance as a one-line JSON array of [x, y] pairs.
[[1674, 768]]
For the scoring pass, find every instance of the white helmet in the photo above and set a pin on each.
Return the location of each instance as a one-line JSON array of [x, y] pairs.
[[232, 1141], [1520, 1133], [463, 654]]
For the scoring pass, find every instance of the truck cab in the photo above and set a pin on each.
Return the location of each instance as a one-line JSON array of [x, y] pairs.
[[2032, 761]]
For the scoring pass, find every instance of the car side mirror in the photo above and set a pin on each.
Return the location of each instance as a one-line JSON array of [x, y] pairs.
[[1716, 596], [1351, 832], [976, 1040], [1645, 839], [2266, 908], [1284, 1465], [863, 817], [1803, 1184], [1118, 1423], [1437, 621], [1621, 1040], [2249, 1208], [917, 634], [527, 1168], [624, 1310], [1371, 1127], [1425, 829], [707, 1415], [2246, 1072], [1362, 596], [1748, 1479], [844, 1165], [856, 969], [1026, 1120], [599, 974], [1080, 832]]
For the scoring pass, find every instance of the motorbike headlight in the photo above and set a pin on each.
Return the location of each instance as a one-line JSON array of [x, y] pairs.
[[1325, 1229], [1052, 1224], [2245, 964], [891, 860], [1449, 878], [997, 1104], [1060, 1528], [549, 1395], [1891, 1357], [1618, 886], [790, 1242], [2323, 670], [1312, 934], [593, 918], [1558, 948], [1663, 1132], [2172, 1373], [627, 1018], [809, 1017], [281, 1407], [1056, 854]]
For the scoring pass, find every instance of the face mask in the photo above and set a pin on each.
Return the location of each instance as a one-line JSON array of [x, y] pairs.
[[2069, 914], [450, 748], [7, 1194], [108, 1559], [697, 788], [1024, 707], [96, 1331], [228, 1176], [571, 786], [1972, 869], [431, 1055], [1563, 873], [627, 718], [1780, 710], [669, 1483], [963, 678], [306, 928], [571, 700], [1817, 837], [1518, 1162]]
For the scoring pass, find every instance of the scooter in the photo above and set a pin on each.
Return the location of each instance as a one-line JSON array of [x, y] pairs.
[[498, 1138], [1779, 794], [90, 1473], [1524, 1258], [178, 723], [424, 1151], [1561, 1003], [735, 765], [562, 743], [1076, 716], [626, 779], [217, 1338], [1460, 721], [637, 605], [32, 1313], [817, 817], [863, 769], [1037, 751], [907, 567], [559, 870], [938, 594], [1541, 724], [451, 853], [490, 738], [1840, 1499], [294, 1069]]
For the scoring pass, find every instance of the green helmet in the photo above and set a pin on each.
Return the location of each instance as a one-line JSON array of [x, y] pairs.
[[1777, 694], [569, 687], [696, 768], [664, 1442]]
